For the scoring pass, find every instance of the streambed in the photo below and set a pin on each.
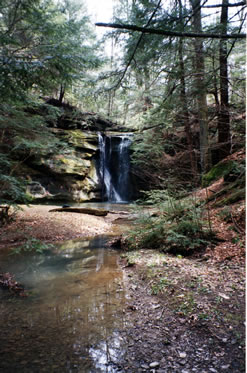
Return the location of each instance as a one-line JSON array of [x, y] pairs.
[[72, 319]]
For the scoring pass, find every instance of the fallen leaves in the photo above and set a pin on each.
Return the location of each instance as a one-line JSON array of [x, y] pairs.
[[203, 319]]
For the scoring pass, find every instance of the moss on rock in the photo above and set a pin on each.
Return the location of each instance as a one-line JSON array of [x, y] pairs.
[[66, 165], [82, 139], [219, 170]]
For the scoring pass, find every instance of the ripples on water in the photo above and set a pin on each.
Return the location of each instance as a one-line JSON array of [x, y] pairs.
[[71, 320]]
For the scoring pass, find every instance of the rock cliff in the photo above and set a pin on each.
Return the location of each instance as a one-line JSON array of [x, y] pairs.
[[70, 176]]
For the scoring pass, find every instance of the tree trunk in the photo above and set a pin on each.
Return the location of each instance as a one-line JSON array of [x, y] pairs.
[[61, 93], [224, 117], [200, 87], [80, 210], [215, 87], [183, 98]]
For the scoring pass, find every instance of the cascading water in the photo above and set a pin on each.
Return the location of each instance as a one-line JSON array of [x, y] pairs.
[[115, 167], [123, 182]]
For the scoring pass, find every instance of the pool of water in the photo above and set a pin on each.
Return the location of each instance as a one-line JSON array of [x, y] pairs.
[[72, 319]]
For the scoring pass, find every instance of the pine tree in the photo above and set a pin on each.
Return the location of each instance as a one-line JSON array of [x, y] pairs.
[[45, 47]]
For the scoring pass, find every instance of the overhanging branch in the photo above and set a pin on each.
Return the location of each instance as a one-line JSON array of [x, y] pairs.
[[241, 3], [171, 33]]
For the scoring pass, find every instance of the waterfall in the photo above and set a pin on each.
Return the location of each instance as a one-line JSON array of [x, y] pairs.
[[114, 167]]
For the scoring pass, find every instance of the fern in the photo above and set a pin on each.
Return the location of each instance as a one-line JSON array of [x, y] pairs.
[[179, 226]]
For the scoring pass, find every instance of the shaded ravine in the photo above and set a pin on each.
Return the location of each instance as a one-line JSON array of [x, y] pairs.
[[72, 319]]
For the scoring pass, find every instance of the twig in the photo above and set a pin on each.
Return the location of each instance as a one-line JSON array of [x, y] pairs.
[[163, 310], [238, 228]]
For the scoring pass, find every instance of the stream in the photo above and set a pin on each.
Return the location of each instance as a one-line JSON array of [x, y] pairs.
[[72, 318]]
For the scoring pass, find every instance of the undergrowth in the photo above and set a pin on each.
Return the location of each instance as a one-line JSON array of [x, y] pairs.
[[172, 225]]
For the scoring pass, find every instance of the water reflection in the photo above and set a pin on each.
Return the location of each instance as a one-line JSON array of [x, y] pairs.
[[71, 320]]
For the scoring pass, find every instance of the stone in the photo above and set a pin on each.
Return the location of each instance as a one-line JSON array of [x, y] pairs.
[[71, 176], [82, 139], [216, 172], [182, 362], [144, 366], [154, 364], [36, 190], [182, 355], [72, 164]]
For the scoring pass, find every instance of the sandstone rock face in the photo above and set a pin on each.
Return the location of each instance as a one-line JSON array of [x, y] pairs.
[[71, 176], [74, 174]]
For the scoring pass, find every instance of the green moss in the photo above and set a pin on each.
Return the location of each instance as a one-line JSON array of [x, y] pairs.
[[219, 170], [65, 165], [84, 140]]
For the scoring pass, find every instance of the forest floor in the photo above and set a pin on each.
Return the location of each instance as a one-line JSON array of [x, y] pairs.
[[182, 314], [187, 314]]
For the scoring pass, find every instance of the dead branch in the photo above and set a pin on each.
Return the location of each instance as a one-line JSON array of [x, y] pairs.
[[170, 33]]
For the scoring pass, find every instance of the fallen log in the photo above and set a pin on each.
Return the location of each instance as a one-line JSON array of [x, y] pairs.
[[119, 212], [80, 210]]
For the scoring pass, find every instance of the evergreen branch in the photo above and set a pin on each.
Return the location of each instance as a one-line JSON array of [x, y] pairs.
[[136, 47], [145, 30]]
